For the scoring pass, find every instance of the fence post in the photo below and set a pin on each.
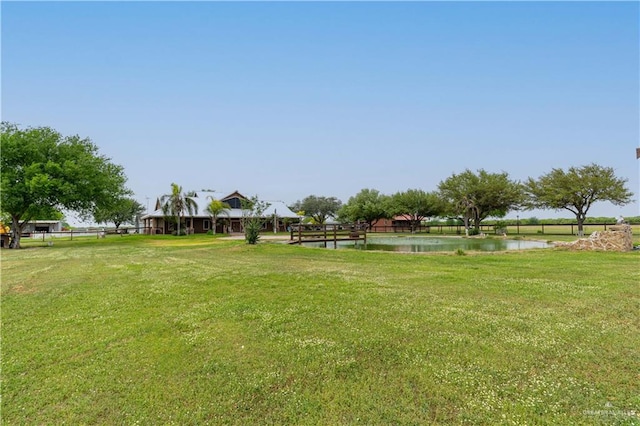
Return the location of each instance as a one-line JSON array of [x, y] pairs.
[[325, 235]]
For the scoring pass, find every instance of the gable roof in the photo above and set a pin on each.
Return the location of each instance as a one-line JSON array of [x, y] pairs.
[[234, 194]]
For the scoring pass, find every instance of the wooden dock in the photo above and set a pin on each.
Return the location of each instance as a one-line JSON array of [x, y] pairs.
[[327, 233]]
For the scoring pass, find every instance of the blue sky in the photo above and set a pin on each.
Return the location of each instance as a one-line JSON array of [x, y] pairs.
[[288, 99]]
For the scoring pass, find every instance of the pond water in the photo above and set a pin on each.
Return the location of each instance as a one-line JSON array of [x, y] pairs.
[[434, 244]]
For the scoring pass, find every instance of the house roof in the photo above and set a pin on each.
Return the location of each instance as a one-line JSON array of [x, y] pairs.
[[279, 208], [234, 194]]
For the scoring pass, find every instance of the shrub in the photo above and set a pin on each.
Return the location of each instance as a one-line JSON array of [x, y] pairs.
[[500, 227], [252, 230], [252, 219]]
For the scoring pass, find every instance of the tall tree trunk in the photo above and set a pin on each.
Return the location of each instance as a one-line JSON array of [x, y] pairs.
[[16, 232], [414, 223], [580, 218], [476, 221]]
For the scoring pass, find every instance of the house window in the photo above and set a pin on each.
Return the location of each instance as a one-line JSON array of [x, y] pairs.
[[234, 203], [206, 224]]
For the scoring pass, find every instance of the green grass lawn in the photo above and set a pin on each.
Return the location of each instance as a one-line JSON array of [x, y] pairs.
[[199, 330]]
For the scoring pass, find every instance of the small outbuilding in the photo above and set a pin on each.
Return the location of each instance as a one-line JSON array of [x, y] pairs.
[[42, 226], [4, 240]]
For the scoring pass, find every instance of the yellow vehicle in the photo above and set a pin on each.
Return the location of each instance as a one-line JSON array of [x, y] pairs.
[[4, 229]]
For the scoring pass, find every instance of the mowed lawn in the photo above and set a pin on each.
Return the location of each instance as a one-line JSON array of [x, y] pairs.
[[199, 330]]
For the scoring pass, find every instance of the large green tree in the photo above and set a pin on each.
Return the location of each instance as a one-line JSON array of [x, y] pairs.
[[414, 205], [576, 190], [368, 205], [177, 204], [476, 196], [43, 172], [318, 208], [121, 210]]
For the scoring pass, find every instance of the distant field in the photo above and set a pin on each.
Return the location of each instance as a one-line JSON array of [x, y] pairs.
[[534, 230], [562, 229], [543, 232], [200, 330]]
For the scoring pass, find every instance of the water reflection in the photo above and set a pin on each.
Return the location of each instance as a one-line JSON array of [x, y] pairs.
[[429, 244]]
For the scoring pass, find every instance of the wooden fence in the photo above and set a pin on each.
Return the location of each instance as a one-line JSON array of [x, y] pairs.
[[544, 229], [98, 233], [307, 233]]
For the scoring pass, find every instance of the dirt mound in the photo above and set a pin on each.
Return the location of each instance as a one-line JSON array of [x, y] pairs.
[[616, 238]]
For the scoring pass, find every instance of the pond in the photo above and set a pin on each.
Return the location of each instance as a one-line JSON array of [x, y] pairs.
[[435, 244]]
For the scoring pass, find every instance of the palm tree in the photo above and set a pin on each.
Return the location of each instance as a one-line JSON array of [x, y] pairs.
[[215, 208], [177, 203]]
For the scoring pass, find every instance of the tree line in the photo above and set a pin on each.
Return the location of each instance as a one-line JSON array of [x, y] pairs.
[[43, 172], [471, 197]]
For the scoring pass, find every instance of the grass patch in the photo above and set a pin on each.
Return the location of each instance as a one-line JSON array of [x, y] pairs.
[[201, 330]]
